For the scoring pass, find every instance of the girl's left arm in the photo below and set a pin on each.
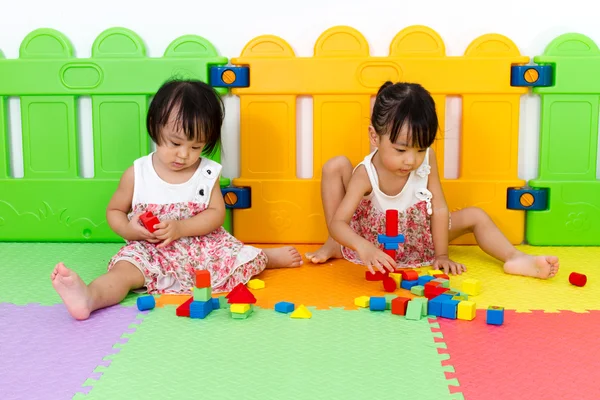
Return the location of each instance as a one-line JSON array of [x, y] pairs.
[[440, 218], [205, 222]]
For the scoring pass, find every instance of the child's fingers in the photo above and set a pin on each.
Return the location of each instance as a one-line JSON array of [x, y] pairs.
[[370, 268], [165, 243]]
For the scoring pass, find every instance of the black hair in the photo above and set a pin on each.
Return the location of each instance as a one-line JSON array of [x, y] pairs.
[[405, 104], [198, 108]]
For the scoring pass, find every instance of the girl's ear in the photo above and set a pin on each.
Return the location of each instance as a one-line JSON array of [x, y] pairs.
[[373, 137]]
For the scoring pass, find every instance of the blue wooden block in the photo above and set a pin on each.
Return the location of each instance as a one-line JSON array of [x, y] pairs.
[[449, 307], [424, 279], [229, 76], [237, 197], [495, 315], [377, 303], [520, 199], [390, 246], [531, 75], [215, 303], [408, 284], [200, 309], [284, 307], [434, 306], [390, 239], [145, 303]]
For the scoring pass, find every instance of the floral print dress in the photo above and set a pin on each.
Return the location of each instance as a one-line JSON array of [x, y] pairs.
[[171, 269], [414, 206]]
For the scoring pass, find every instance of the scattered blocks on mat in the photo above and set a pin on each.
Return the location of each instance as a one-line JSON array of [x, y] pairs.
[[449, 308], [425, 279], [377, 303], [495, 315], [414, 310], [362, 301], [418, 290], [577, 279], [286, 307], [388, 300], [423, 302], [399, 305], [408, 285], [256, 284], [472, 287], [145, 303], [466, 310], [301, 312]]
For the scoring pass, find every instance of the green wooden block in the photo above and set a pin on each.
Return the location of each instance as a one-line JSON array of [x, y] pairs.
[[414, 310], [244, 315], [418, 290], [223, 302], [388, 300], [460, 298], [202, 294], [443, 282], [424, 304]]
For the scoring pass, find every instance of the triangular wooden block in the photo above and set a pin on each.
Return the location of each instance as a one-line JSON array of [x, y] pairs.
[[301, 312], [241, 294]]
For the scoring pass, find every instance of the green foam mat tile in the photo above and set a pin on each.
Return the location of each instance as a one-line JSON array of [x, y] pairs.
[[337, 354], [25, 268]]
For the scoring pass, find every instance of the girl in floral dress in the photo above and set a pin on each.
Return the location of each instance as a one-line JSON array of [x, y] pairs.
[[402, 174], [182, 190]]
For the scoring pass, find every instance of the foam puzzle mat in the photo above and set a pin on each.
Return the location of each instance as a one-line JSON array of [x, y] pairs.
[[545, 349]]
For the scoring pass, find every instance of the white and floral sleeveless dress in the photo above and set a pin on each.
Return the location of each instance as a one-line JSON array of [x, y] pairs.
[[171, 269], [414, 216]]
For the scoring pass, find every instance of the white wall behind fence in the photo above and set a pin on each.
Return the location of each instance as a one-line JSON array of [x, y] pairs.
[[229, 25]]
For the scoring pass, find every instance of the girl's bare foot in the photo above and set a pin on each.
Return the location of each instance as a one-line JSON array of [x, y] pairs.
[[72, 290], [542, 267], [331, 249], [283, 257]]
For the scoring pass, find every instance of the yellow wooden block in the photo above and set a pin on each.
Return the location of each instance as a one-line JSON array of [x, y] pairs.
[[396, 277], [434, 272], [472, 287], [301, 312], [256, 284], [362, 301], [466, 310], [239, 308]]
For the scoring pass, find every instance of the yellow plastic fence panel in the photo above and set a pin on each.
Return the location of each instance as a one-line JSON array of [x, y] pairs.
[[342, 77]]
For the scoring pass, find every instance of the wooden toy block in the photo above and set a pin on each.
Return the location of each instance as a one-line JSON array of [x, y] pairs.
[[444, 282], [443, 276], [399, 305], [432, 290], [377, 303], [375, 276], [413, 310], [242, 315], [287, 307], [449, 308], [362, 301], [391, 222], [301, 312], [215, 303], [396, 277], [223, 302], [149, 220], [200, 309], [202, 278], [202, 294], [452, 293], [466, 310], [239, 308], [388, 300], [184, 309], [256, 284], [408, 285], [577, 279], [434, 272], [390, 252], [241, 295], [495, 315], [389, 284], [409, 275], [424, 302], [145, 303], [435, 306], [418, 290], [425, 279], [461, 298], [472, 287]]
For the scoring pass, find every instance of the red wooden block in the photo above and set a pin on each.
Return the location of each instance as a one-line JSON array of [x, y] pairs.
[[390, 252], [391, 222], [376, 276], [184, 309], [434, 291], [389, 284], [409, 275], [240, 295], [443, 276], [202, 278], [399, 305], [577, 279], [149, 220]]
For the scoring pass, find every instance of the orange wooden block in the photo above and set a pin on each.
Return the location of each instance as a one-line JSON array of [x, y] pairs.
[[171, 299]]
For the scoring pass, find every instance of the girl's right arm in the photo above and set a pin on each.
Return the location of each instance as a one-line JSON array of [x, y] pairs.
[[340, 230], [120, 205]]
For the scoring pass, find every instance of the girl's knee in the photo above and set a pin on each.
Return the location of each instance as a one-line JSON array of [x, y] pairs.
[[336, 166], [478, 215]]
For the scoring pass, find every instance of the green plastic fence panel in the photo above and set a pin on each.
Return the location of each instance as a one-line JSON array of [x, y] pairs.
[[568, 146], [52, 202]]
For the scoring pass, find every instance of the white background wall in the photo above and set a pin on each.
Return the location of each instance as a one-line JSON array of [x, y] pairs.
[[530, 24]]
